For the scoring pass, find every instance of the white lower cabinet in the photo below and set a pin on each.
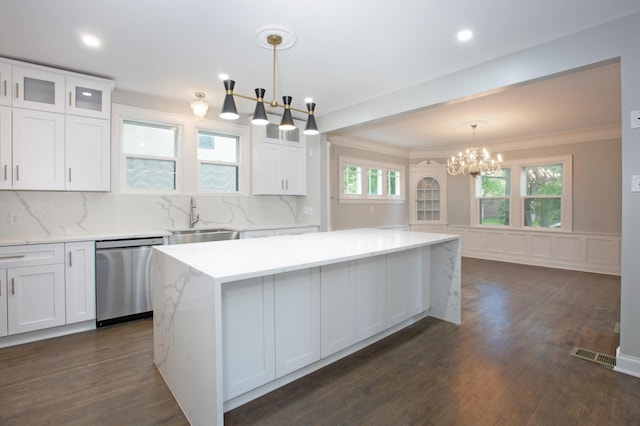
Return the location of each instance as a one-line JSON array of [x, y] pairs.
[[297, 319], [80, 289], [36, 298], [371, 297], [405, 279], [46, 285], [248, 340], [3, 302], [338, 300]]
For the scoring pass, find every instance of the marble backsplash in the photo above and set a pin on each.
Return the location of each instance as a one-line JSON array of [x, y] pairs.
[[35, 214]]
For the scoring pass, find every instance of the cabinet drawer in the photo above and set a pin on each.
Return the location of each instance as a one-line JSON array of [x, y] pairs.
[[31, 255]]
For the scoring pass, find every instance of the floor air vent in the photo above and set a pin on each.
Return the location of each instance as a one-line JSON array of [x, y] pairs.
[[597, 357]]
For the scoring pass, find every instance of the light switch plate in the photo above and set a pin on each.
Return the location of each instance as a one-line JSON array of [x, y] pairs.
[[635, 183], [635, 119]]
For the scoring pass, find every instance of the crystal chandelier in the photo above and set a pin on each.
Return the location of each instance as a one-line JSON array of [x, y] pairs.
[[473, 161]]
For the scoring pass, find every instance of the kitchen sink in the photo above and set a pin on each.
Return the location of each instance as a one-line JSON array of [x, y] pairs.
[[187, 236]]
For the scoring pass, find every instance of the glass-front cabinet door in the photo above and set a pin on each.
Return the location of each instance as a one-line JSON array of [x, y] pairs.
[[88, 98], [38, 89], [428, 199]]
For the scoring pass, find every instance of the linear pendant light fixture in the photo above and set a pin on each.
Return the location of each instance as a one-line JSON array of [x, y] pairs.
[[274, 37]]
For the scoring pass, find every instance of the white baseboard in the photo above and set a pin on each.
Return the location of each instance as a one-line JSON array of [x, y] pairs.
[[627, 364]]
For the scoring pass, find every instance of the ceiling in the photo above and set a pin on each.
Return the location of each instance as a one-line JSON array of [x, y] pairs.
[[345, 53]]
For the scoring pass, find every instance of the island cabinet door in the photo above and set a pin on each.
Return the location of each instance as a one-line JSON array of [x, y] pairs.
[[371, 296], [248, 357], [297, 313], [404, 280], [338, 306]]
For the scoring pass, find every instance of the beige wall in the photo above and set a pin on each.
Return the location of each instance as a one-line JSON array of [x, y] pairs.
[[597, 196], [365, 215]]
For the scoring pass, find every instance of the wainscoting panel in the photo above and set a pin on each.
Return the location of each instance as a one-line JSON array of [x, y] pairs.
[[598, 253]]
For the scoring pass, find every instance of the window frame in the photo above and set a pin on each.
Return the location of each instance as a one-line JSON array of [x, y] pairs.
[[517, 199], [152, 120], [187, 163], [478, 199], [364, 196], [199, 162]]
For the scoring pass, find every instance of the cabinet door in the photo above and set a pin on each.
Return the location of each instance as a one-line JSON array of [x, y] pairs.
[[295, 171], [5, 84], [80, 288], [3, 302], [338, 303], [38, 150], [6, 162], [35, 298], [371, 296], [247, 335], [88, 98], [404, 280], [297, 319], [266, 173], [38, 89], [88, 151]]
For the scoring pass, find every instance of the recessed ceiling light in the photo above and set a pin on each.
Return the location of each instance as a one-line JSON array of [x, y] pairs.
[[91, 41], [465, 35]]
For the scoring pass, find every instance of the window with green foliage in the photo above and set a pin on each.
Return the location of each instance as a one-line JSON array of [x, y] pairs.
[[369, 181], [494, 199], [352, 177], [374, 181], [543, 196], [393, 182]]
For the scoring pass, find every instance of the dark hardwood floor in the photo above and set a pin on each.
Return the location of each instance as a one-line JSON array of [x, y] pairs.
[[507, 364]]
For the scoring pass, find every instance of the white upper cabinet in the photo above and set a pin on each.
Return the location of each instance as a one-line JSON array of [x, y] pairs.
[[38, 150], [5, 84], [279, 163], [88, 98], [38, 89], [54, 129], [6, 163], [87, 154]]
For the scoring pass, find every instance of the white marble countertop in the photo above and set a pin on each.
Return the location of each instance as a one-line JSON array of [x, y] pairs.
[[240, 259], [133, 234]]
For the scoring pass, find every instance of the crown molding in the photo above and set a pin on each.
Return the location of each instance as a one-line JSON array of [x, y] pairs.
[[593, 134]]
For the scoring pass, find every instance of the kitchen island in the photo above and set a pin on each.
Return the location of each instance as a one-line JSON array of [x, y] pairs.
[[234, 320]]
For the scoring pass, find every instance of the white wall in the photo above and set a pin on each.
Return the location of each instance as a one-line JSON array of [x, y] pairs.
[[605, 42]]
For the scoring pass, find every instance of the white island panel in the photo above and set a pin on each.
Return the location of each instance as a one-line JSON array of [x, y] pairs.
[[188, 282]]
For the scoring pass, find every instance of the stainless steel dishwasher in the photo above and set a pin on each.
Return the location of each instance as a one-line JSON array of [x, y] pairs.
[[123, 279]]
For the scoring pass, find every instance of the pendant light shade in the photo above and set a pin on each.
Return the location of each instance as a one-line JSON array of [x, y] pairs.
[[311, 128], [229, 110], [260, 115], [287, 123]]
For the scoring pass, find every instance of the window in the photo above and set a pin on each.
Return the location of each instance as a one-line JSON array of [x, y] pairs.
[[494, 199], [150, 155], [381, 183], [374, 181], [543, 200], [218, 159], [393, 182], [543, 196], [352, 178]]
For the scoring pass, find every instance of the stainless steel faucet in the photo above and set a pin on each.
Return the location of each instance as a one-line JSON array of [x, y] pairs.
[[194, 218]]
